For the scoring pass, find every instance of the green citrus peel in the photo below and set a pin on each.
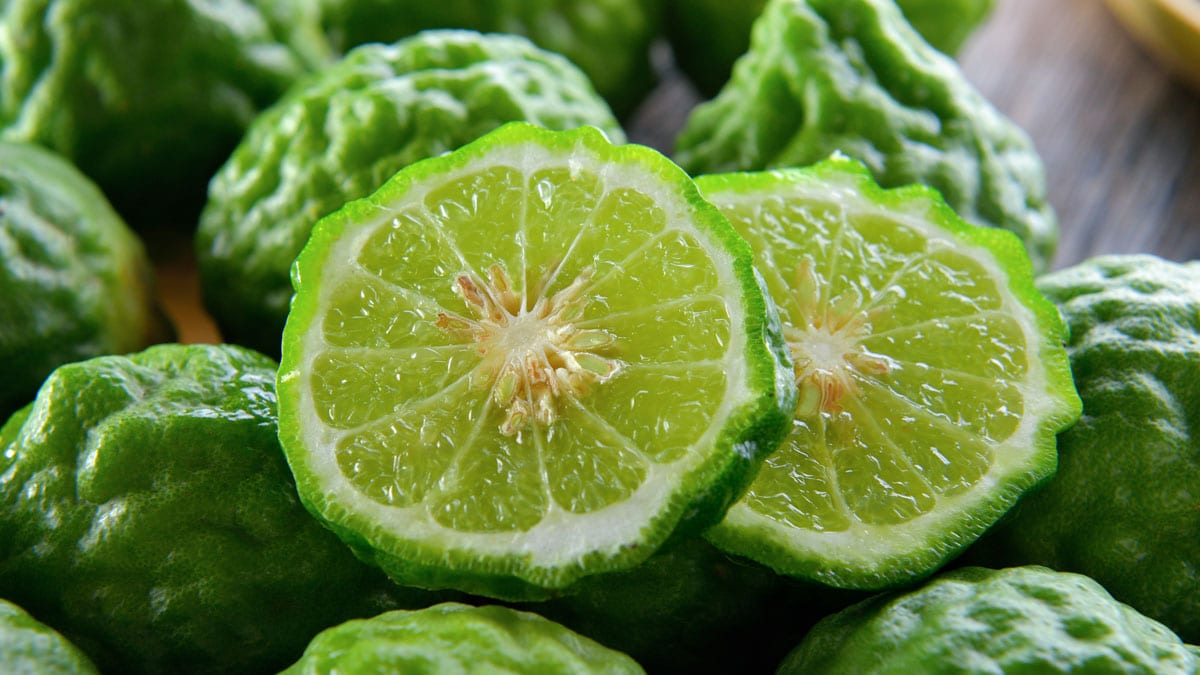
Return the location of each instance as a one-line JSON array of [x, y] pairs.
[[456, 638]]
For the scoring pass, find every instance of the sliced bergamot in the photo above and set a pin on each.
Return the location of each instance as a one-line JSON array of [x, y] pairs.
[[527, 361], [931, 374]]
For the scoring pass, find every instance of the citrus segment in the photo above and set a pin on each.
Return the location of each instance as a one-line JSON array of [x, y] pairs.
[[527, 361], [931, 376]]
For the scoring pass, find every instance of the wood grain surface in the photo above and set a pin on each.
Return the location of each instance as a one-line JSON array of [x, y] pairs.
[[1120, 138]]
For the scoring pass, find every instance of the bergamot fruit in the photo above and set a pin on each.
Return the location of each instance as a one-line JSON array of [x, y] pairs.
[[608, 39], [931, 373], [1123, 507], [75, 281], [852, 76], [147, 513], [976, 620], [527, 361], [148, 97], [29, 647], [709, 35], [344, 131], [457, 638]]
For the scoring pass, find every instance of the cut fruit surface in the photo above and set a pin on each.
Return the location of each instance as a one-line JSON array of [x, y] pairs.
[[931, 374], [527, 361]]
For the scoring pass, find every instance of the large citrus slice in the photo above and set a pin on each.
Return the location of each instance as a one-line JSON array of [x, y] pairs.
[[527, 361], [932, 376]]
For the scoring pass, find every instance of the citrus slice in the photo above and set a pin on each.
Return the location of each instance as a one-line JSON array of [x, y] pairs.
[[527, 361], [932, 377]]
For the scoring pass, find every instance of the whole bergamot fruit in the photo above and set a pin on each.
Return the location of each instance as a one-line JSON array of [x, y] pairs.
[[456, 638], [709, 35], [853, 76], [1123, 507], [74, 280], [28, 646], [976, 620], [149, 96], [147, 512], [608, 39], [342, 132]]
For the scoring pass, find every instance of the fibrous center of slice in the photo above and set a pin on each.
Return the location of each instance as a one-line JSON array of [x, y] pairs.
[[534, 354], [825, 342]]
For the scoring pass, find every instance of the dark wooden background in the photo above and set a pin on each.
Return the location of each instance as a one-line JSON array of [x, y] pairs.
[[1119, 136]]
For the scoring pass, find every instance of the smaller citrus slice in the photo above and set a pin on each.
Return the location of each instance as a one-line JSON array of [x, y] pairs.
[[931, 373], [527, 361]]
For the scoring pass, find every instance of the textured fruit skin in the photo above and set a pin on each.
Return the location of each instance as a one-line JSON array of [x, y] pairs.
[[1123, 507], [977, 620], [608, 39], [946, 24], [147, 513], [148, 97], [752, 431], [74, 280], [874, 563], [29, 646], [692, 608], [891, 101], [456, 638], [709, 35], [344, 131]]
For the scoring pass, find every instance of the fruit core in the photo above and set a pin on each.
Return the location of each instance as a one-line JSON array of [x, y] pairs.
[[825, 343], [534, 353]]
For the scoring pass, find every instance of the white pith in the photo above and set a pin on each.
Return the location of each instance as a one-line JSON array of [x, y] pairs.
[[561, 538], [867, 546]]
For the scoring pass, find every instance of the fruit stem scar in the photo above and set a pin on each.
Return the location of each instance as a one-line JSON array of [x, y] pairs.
[[824, 341], [533, 355]]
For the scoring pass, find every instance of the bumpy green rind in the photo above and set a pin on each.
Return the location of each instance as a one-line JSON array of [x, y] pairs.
[[74, 280], [28, 646], [457, 638], [1061, 407], [147, 513], [703, 495], [853, 76], [946, 24], [148, 97], [709, 35], [344, 131], [694, 609], [1123, 507], [608, 39], [976, 620]]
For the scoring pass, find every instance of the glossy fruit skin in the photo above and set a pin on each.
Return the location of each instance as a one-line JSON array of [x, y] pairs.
[[29, 646], [344, 131], [147, 513], [608, 39], [1123, 507], [149, 96], [453, 637], [892, 102], [75, 282], [976, 620], [709, 35]]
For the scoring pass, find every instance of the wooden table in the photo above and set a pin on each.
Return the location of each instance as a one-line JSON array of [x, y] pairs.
[[1120, 137]]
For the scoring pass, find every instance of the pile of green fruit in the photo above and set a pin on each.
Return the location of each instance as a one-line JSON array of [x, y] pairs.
[[504, 393]]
